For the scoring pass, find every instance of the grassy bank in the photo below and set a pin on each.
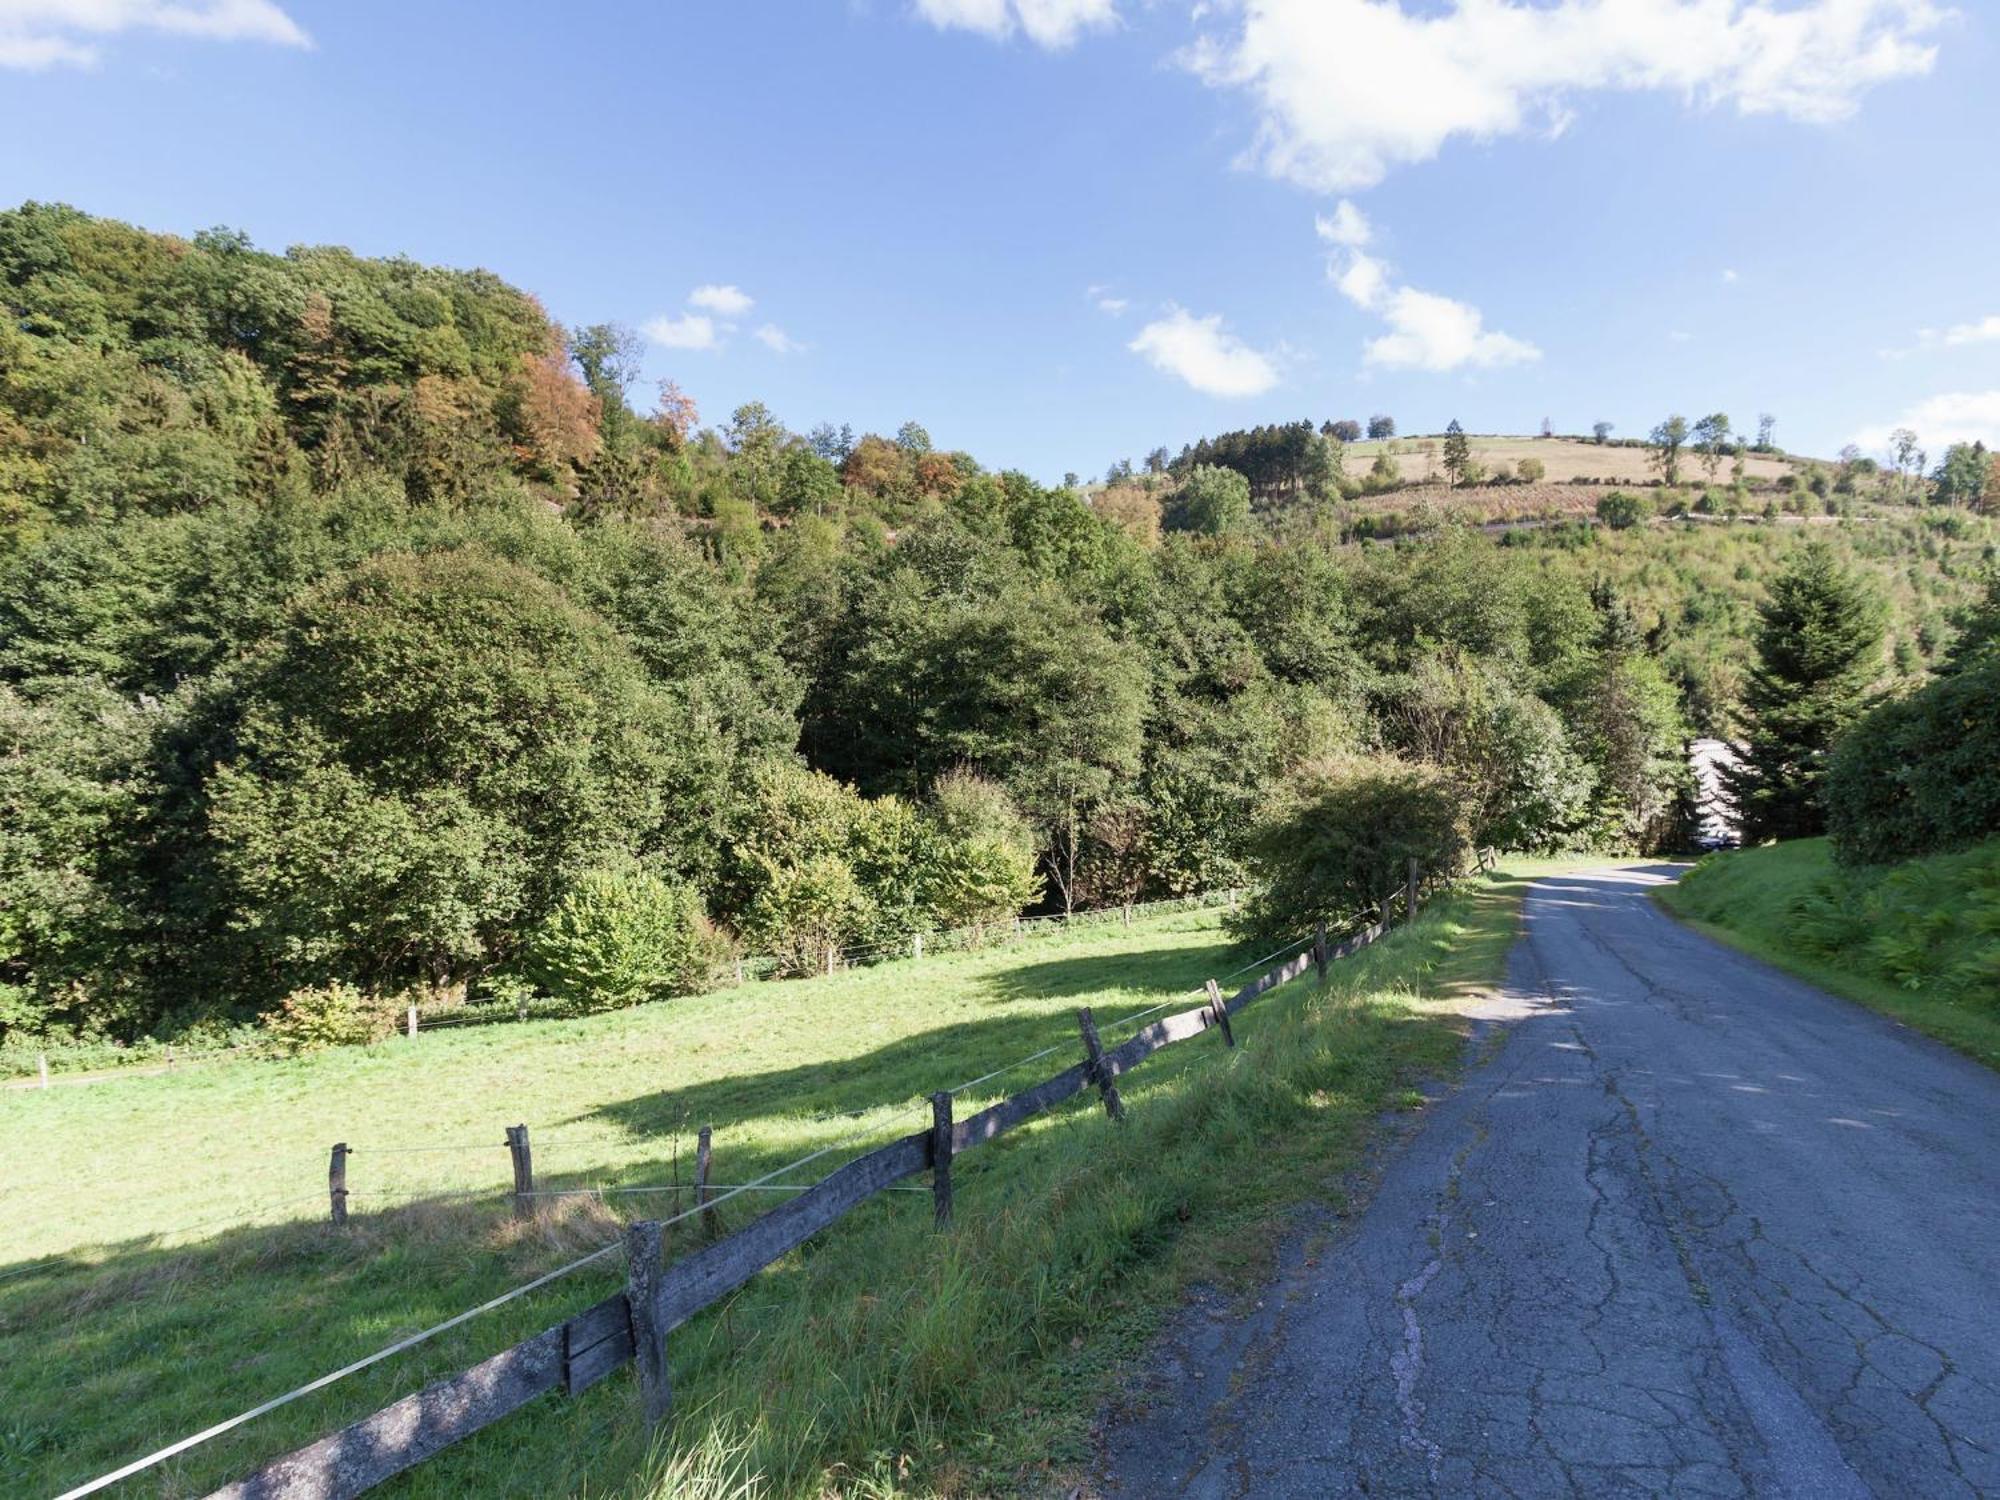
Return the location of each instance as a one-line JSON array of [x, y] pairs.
[[883, 1358], [1919, 941]]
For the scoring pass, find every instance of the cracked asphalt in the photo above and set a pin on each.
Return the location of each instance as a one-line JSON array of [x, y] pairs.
[[1691, 1227]]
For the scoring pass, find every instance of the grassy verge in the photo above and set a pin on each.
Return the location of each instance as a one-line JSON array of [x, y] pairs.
[[1918, 941], [882, 1358]]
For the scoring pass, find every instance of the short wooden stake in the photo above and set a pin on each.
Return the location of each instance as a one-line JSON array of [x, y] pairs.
[[1320, 952], [941, 1158], [336, 1182], [1107, 1087], [739, 971], [830, 953], [1218, 1009], [710, 1222], [524, 1171], [917, 946], [1410, 895], [42, 1067], [413, 1020], [649, 1345]]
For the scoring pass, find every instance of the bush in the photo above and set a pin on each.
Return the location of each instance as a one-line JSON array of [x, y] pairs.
[[1919, 775], [328, 1015], [1621, 511], [620, 936], [1339, 836], [1531, 470]]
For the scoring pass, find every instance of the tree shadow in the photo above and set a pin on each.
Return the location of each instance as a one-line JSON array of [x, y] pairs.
[[1167, 969]]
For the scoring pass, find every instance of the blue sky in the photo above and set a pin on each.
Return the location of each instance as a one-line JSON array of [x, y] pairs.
[[1060, 232]]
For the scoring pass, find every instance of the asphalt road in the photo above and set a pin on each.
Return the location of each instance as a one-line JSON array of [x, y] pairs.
[[1692, 1228]]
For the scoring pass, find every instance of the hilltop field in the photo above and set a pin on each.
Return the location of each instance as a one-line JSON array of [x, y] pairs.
[[1564, 460]]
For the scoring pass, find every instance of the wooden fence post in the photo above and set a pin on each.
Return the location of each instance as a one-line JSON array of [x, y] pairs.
[[413, 1019], [1218, 1009], [701, 1156], [830, 952], [1320, 951], [336, 1182], [42, 1067], [941, 1158], [917, 946], [649, 1345], [1410, 894], [524, 1171], [1107, 1087]]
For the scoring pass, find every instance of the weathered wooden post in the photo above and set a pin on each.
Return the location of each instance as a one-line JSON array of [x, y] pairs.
[[830, 952], [524, 1171], [941, 1158], [42, 1067], [649, 1345], [917, 946], [1220, 1011], [709, 1222], [1410, 893], [336, 1182], [413, 1018], [1107, 1087], [1320, 952]]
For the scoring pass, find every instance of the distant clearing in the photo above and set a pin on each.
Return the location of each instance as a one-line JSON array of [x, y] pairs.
[[1563, 459]]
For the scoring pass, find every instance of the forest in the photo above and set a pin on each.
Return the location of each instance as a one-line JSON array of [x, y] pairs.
[[365, 633]]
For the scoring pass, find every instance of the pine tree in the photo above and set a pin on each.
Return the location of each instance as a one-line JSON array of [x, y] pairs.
[[1819, 647], [1457, 452]]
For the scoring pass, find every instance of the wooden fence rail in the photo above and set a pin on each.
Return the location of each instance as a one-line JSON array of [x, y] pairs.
[[632, 1325]]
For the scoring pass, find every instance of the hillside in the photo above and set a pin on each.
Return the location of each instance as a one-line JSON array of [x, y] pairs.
[[1565, 460]]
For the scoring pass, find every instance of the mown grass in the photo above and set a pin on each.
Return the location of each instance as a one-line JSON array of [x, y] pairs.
[[1918, 941], [882, 1358]]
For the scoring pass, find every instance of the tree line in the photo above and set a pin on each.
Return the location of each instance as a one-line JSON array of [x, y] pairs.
[[360, 636]]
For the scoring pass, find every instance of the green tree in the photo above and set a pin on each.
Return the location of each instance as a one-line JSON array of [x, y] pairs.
[[1818, 650], [1667, 441], [1621, 511], [1710, 438], [1963, 477], [1457, 453], [1212, 501]]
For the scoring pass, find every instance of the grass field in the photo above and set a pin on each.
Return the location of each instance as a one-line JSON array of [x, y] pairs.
[[1919, 941], [881, 1359], [1422, 458]]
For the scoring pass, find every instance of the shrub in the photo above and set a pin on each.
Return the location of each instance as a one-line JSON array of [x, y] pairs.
[[1621, 511], [619, 936], [806, 911], [328, 1015], [1339, 836], [1919, 775], [1531, 470]]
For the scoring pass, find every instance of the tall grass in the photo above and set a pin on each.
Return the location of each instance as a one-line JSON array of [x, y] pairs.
[[1919, 940]]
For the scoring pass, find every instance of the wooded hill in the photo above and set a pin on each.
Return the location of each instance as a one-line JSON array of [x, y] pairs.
[[360, 632]]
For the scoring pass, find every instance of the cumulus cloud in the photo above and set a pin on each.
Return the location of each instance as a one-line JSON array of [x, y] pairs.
[[1426, 331], [723, 301], [695, 331], [1346, 225], [774, 338], [1956, 417], [1106, 302], [1047, 23], [37, 34], [1201, 352], [1348, 90]]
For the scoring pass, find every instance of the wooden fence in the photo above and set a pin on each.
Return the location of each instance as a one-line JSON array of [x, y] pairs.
[[632, 1325]]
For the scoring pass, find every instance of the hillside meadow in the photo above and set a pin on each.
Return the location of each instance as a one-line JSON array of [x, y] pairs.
[[881, 1358]]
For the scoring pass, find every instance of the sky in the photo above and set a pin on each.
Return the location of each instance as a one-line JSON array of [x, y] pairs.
[[1061, 233]]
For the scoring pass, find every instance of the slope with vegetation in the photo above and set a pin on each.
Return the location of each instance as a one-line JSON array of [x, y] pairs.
[[880, 1356]]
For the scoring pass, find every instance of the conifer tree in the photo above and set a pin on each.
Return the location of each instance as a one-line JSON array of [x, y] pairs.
[[1457, 453], [1819, 647]]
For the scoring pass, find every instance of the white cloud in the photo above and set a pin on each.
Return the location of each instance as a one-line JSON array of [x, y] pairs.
[[38, 34], [1429, 332], [1980, 331], [1957, 417], [774, 338], [1348, 90], [1047, 23], [695, 331], [1426, 331], [1346, 225], [1107, 303], [723, 301], [1729, 276], [1203, 353]]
